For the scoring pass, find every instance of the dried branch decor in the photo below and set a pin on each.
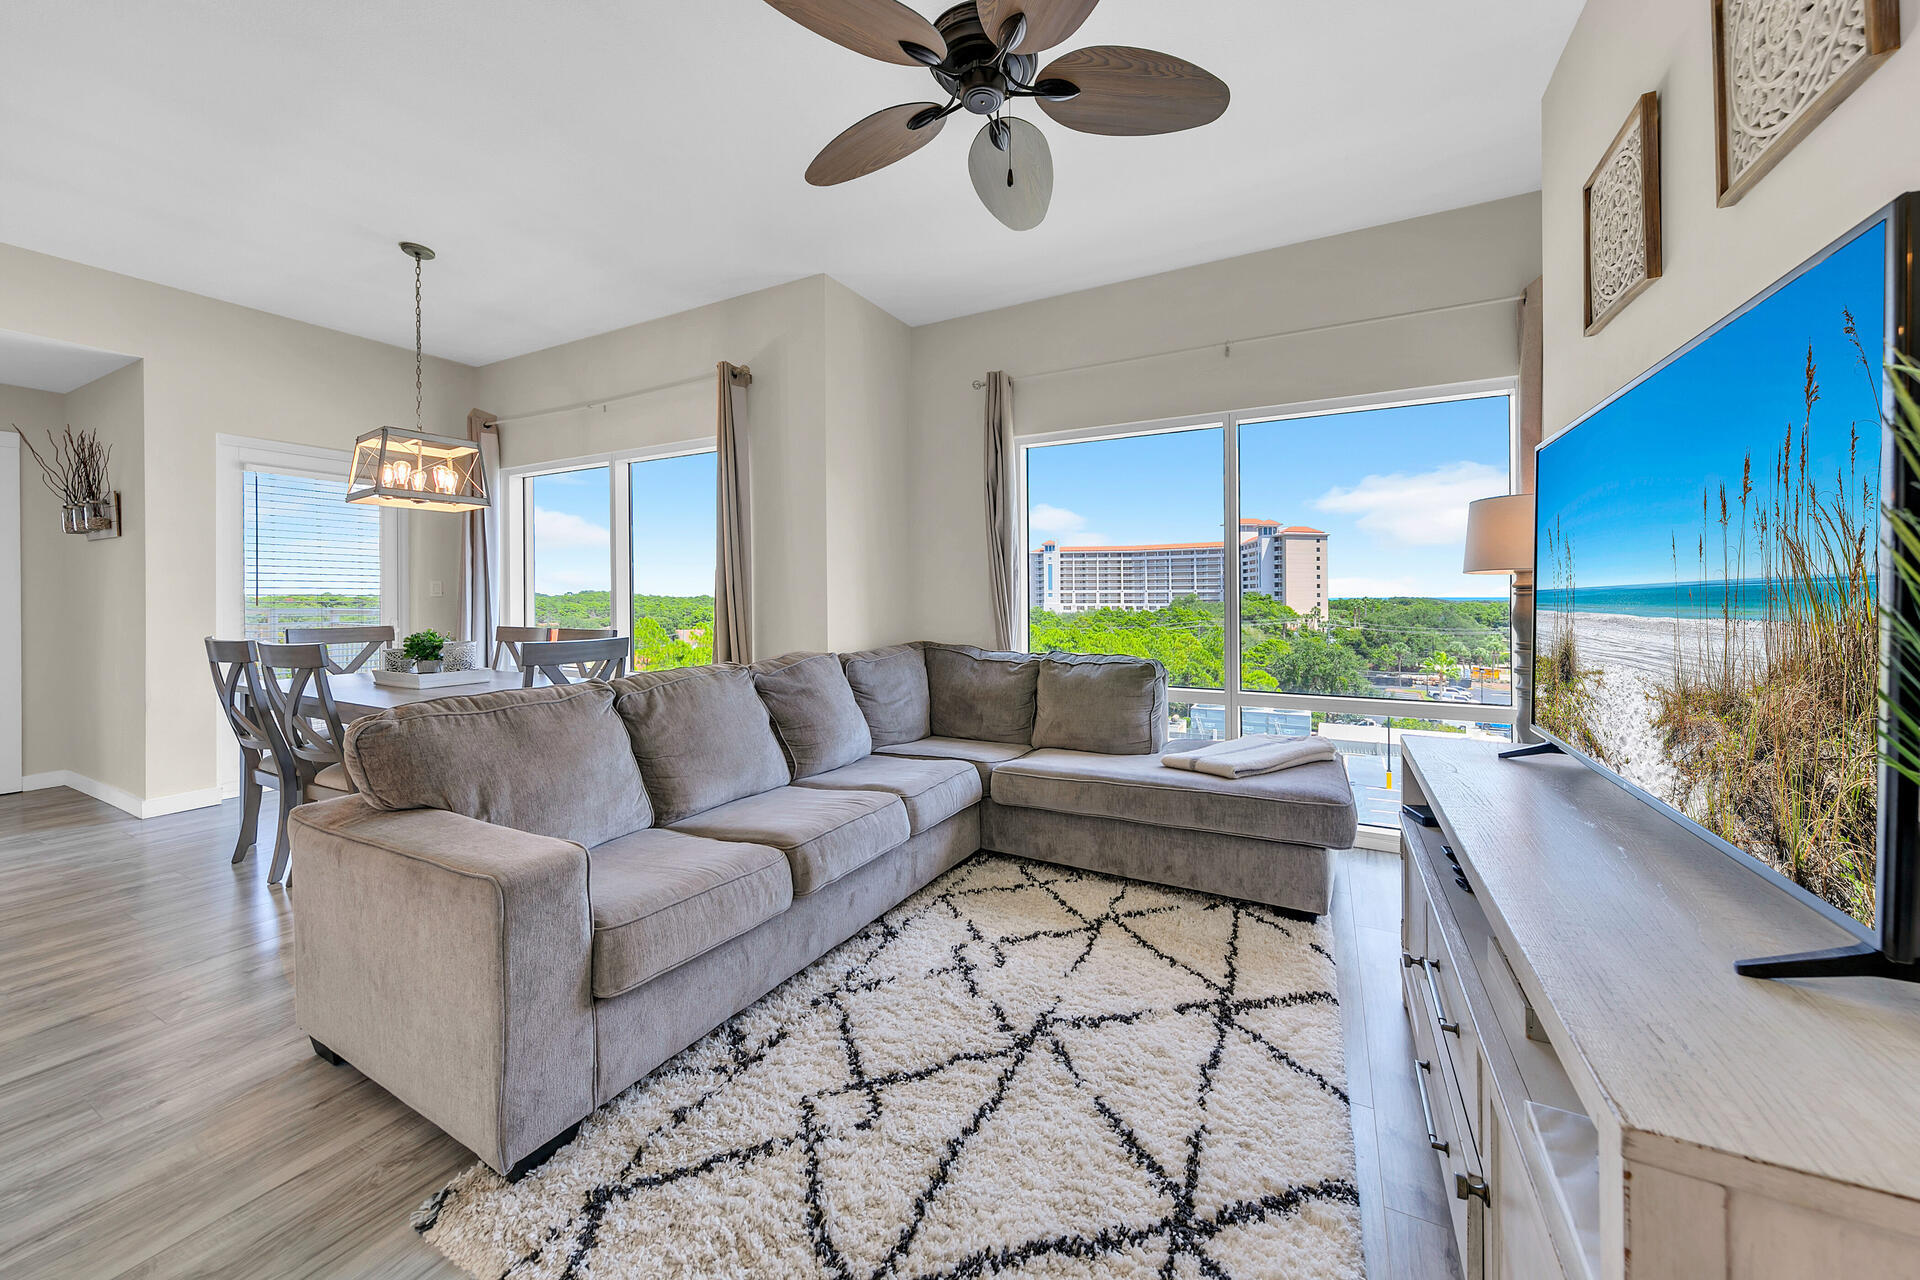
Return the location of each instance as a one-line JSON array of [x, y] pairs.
[[75, 470]]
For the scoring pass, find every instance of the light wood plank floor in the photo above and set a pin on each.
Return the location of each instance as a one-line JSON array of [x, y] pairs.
[[160, 1115]]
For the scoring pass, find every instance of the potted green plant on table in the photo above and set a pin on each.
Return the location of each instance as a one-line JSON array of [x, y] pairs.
[[424, 650]]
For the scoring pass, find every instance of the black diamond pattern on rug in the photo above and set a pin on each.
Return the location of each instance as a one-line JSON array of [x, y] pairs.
[[1022, 1070]]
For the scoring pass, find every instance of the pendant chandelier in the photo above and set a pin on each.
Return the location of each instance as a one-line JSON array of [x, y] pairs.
[[393, 467]]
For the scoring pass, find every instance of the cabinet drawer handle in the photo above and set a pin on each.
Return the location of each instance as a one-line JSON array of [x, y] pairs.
[[1422, 1069], [1471, 1186], [1439, 1010]]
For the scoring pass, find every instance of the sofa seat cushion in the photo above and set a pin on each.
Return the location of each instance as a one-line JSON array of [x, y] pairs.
[[932, 790], [1311, 804], [824, 834], [659, 898], [983, 756]]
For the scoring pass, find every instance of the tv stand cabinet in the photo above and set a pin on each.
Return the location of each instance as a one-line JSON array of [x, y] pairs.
[[1607, 1099]]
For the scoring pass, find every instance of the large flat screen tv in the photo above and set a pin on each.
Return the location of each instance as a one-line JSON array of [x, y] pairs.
[[1711, 579]]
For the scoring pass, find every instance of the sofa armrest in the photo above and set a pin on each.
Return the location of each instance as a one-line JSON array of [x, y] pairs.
[[450, 961]]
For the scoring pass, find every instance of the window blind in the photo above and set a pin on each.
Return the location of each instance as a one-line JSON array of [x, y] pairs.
[[310, 560]]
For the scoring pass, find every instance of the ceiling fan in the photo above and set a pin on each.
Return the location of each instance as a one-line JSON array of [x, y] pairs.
[[984, 54]]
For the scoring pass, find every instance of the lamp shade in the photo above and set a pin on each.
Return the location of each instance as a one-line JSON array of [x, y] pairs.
[[415, 471], [1500, 535]]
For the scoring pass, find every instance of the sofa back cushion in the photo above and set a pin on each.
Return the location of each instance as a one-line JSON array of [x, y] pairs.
[[1101, 702], [702, 737], [819, 724], [890, 686], [552, 761], [989, 697]]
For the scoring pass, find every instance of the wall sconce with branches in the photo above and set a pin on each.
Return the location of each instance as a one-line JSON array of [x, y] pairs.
[[75, 470]]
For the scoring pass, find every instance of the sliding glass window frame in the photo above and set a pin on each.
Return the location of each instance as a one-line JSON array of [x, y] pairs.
[[1233, 695], [516, 515]]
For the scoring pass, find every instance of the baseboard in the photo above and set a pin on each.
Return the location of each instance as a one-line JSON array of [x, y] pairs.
[[125, 801]]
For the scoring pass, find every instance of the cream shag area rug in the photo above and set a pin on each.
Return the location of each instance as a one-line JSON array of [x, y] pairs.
[[1022, 1070]]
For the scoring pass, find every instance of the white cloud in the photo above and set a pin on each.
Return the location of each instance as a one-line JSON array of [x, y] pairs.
[[1424, 510], [1047, 522], [562, 530]]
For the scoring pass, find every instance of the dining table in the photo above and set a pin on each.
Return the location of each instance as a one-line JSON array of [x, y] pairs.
[[356, 695]]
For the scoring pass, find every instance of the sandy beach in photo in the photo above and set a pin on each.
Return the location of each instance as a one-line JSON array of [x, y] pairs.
[[1629, 658]]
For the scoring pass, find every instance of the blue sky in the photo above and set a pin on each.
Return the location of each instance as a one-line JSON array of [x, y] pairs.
[[1626, 483], [1390, 487], [673, 528]]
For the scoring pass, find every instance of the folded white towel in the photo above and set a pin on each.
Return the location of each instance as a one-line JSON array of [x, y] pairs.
[[1253, 754]]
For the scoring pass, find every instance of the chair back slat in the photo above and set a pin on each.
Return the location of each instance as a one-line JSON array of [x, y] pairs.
[[507, 640], [602, 659], [237, 682], [315, 740], [369, 638]]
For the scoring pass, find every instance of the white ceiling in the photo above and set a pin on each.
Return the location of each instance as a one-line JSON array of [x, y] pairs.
[[586, 165], [47, 365]]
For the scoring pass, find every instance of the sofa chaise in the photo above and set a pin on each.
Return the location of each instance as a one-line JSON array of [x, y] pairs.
[[536, 897]]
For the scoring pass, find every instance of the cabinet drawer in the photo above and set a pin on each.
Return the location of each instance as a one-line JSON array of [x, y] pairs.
[[1462, 1045]]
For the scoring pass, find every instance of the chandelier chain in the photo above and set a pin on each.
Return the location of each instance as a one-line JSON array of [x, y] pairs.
[[419, 418]]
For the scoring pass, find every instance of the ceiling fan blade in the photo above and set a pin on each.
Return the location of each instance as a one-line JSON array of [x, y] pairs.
[[1126, 92], [878, 28], [1049, 22], [874, 143]]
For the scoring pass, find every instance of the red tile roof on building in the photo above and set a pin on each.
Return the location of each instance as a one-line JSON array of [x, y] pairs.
[[1245, 538]]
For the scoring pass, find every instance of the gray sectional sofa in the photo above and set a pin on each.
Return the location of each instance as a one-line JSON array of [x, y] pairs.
[[537, 897]]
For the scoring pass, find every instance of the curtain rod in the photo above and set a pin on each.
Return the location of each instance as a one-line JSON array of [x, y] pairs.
[[1228, 345], [604, 401]]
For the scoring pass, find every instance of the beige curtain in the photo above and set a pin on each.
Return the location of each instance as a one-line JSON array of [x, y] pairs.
[[1531, 360], [1001, 553], [480, 537], [733, 565]]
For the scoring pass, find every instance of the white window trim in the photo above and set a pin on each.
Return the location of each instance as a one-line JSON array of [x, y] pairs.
[[516, 586], [233, 457], [1233, 698]]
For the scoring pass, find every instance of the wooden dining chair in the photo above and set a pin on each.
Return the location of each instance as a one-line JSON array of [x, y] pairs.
[[369, 638], [507, 640], [250, 715], [602, 659], [308, 725]]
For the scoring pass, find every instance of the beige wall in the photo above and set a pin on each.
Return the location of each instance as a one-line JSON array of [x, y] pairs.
[[208, 368], [73, 590], [1852, 164], [827, 456], [1461, 269], [869, 520], [85, 607]]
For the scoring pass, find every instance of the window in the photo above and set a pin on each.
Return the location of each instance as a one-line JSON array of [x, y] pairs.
[[672, 540], [307, 558], [627, 543], [1124, 550], [1382, 493], [1336, 600], [570, 549]]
